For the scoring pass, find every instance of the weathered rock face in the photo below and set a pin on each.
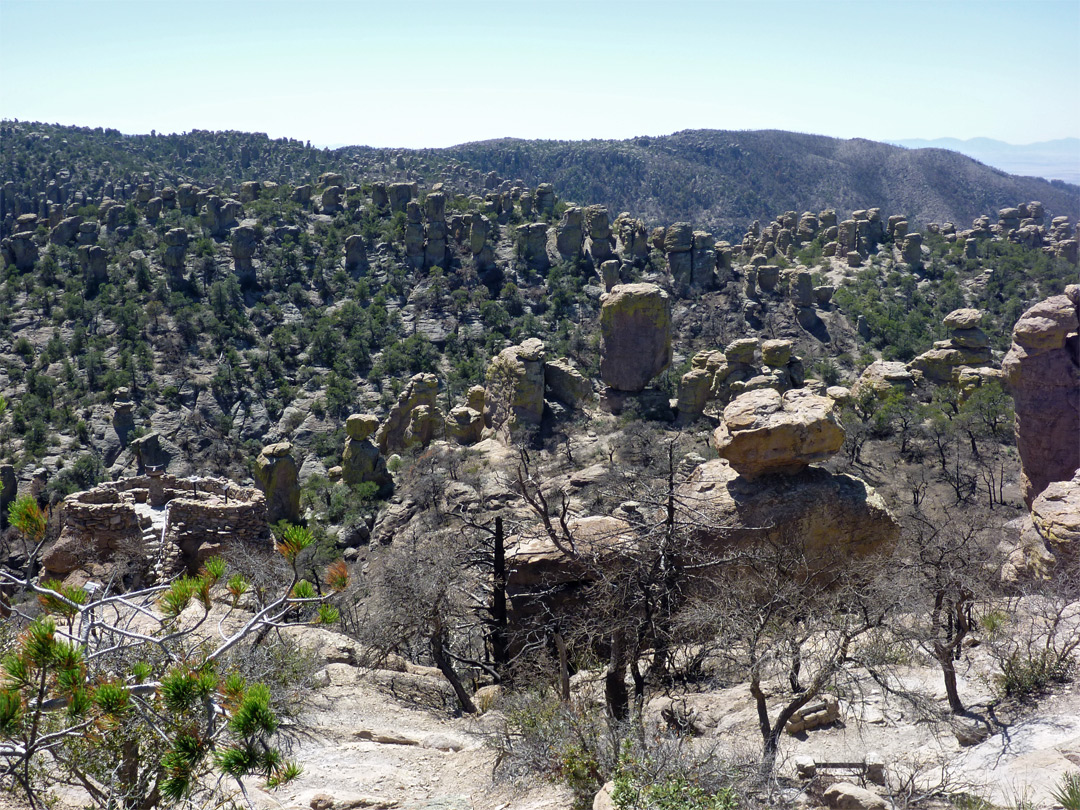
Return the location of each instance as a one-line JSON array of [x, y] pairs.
[[422, 390], [95, 264], [414, 235], [8, 491], [633, 239], [566, 384], [361, 461], [1042, 372], [220, 215], [515, 385], [65, 231], [20, 250], [465, 425], [599, 244], [635, 327], [278, 476], [766, 432], [399, 194], [835, 517], [1055, 514]]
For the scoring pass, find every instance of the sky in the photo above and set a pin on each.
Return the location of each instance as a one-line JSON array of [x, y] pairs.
[[432, 74]]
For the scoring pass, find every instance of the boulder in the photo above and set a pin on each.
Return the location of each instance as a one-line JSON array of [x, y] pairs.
[[566, 384], [1055, 514], [881, 377], [360, 426], [465, 425], [425, 423], [635, 328], [776, 353], [766, 432], [836, 517], [1042, 372], [514, 391], [361, 461], [963, 318], [65, 231], [278, 476], [845, 796]]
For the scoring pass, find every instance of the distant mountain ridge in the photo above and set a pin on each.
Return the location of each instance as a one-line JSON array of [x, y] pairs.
[[725, 179], [717, 179], [1053, 160]]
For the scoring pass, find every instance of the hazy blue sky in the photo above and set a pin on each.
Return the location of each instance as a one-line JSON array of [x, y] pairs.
[[439, 73]]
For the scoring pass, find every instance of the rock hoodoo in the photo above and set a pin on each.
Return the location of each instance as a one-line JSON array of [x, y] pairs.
[[1042, 372], [278, 476], [515, 385], [361, 461], [635, 327], [967, 346]]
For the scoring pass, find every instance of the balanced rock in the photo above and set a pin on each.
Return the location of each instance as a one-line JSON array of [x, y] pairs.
[[766, 432], [1042, 372], [881, 377], [278, 476], [635, 328], [360, 426]]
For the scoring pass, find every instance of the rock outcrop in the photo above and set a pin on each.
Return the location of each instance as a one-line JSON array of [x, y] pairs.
[[394, 433], [635, 328], [278, 476], [1055, 514], [515, 386], [766, 432], [835, 517], [1042, 372]]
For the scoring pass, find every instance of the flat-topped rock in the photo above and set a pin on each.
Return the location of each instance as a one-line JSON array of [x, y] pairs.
[[766, 432]]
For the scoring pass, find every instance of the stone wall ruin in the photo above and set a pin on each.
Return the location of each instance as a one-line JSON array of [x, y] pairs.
[[156, 525]]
